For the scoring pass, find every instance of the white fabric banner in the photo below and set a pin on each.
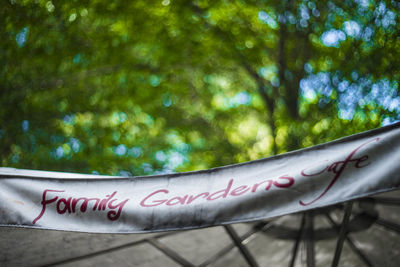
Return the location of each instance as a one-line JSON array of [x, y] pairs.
[[345, 169]]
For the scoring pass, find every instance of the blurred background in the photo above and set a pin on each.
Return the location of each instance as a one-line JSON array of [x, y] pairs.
[[149, 87]]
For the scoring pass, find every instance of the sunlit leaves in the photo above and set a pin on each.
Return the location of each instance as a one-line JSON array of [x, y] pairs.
[[146, 87]]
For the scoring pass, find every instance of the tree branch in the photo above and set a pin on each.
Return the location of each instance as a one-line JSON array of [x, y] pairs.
[[262, 84]]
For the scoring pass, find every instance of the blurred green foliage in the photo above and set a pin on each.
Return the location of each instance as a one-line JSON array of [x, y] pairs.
[[144, 87]]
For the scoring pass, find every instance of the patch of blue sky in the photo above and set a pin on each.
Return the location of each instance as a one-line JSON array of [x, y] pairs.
[[346, 113], [268, 72], [332, 38], [241, 98], [384, 93], [21, 37], [59, 153], [275, 81], [25, 125], [349, 100], [161, 156], [316, 84], [147, 168], [165, 170], [367, 33], [313, 7], [268, 19], [354, 75], [394, 104], [384, 17], [175, 160], [363, 4], [120, 150], [389, 19], [343, 85], [304, 13], [352, 28], [389, 120], [363, 92], [75, 144], [172, 159], [324, 78]]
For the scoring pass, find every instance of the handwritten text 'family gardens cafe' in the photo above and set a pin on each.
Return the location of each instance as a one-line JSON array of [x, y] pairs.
[[325, 175]]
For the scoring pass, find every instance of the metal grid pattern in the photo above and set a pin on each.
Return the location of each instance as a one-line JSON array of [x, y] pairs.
[[343, 220]]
